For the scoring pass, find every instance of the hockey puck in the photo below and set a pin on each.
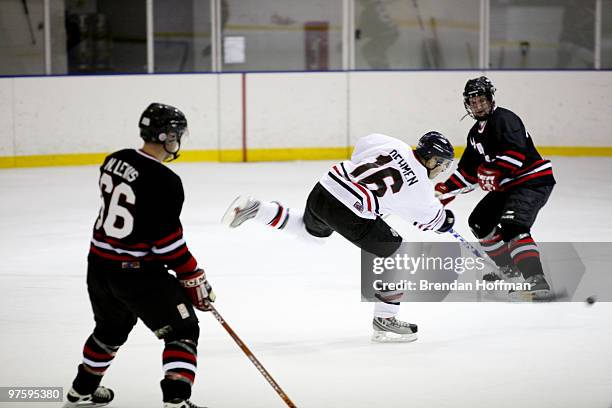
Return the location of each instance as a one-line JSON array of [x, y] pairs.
[[590, 300]]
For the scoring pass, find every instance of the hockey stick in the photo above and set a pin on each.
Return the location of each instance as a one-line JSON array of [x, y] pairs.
[[27, 14], [435, 43], [252, 357], [470, 247], [524, 49], [553, 295], [502, 183], [430, 61], [457, 192]]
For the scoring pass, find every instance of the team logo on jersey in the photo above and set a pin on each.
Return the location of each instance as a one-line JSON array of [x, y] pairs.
[[358, 206], [508, 215], [480, 149], [481, 126]]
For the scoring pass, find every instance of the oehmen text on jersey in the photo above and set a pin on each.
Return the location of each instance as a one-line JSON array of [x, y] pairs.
[[409, 175]]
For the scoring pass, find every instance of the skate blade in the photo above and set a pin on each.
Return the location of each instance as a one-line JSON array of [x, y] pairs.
[[497, 296], [538, 296], [230, 213], [87, 404], [388, 337]]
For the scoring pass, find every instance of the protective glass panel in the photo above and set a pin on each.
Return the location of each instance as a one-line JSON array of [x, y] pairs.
[[182, 31], [286, 35], [105, 36], [59, 50], [398, 34], [606, 34], [552, 34], [22, 50]]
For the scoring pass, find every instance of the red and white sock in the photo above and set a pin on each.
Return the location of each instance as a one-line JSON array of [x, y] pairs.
[[277, 216], [496, 248], [274, 214], [180, 361], [97, 356], [526, 256]]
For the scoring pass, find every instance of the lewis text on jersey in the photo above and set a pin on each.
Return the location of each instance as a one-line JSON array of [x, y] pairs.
[[121, 169]]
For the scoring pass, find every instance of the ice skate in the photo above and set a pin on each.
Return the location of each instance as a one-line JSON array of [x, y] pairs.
[[180, 403], [240, 210], [539, 290], [101, 397], [506, 273], [388, 330]]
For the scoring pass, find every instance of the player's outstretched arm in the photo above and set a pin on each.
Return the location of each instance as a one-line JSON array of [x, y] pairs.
[[463, 180], [458, 183], [446, 196]]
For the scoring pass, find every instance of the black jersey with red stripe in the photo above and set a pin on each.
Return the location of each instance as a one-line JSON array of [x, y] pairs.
[[139, 220], [503, 143]]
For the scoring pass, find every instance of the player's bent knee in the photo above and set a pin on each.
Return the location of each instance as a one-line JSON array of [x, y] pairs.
[[380, 240], [187, 344], [169, 333], [480, 229], [113, 336]]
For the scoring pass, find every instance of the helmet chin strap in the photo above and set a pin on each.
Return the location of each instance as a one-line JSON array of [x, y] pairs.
[[173, 155]]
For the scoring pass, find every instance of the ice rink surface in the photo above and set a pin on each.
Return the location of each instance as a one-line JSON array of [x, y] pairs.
[[297, 305]]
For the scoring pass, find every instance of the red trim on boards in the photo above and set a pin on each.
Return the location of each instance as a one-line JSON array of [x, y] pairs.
[[244, 129]]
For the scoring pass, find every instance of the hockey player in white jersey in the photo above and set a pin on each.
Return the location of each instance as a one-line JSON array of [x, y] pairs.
[[383, 176]]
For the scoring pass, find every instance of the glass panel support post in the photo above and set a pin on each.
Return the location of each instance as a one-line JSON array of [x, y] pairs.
[[348, 35], [215, 35], [150, 38], [485, 35], [47, 35], [598, 28]]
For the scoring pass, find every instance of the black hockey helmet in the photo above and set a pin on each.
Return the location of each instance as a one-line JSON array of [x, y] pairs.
[[160, 123], [434, 145], [476, 87]]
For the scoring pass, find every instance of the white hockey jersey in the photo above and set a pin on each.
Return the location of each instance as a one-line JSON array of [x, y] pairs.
[[383, 176]]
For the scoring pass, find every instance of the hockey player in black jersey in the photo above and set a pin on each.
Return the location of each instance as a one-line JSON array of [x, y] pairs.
[[501, 158], [136, 239]]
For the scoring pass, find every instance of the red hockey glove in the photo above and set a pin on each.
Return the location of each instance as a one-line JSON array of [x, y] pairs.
[[198, 289], [441, 189], [489, 178]]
